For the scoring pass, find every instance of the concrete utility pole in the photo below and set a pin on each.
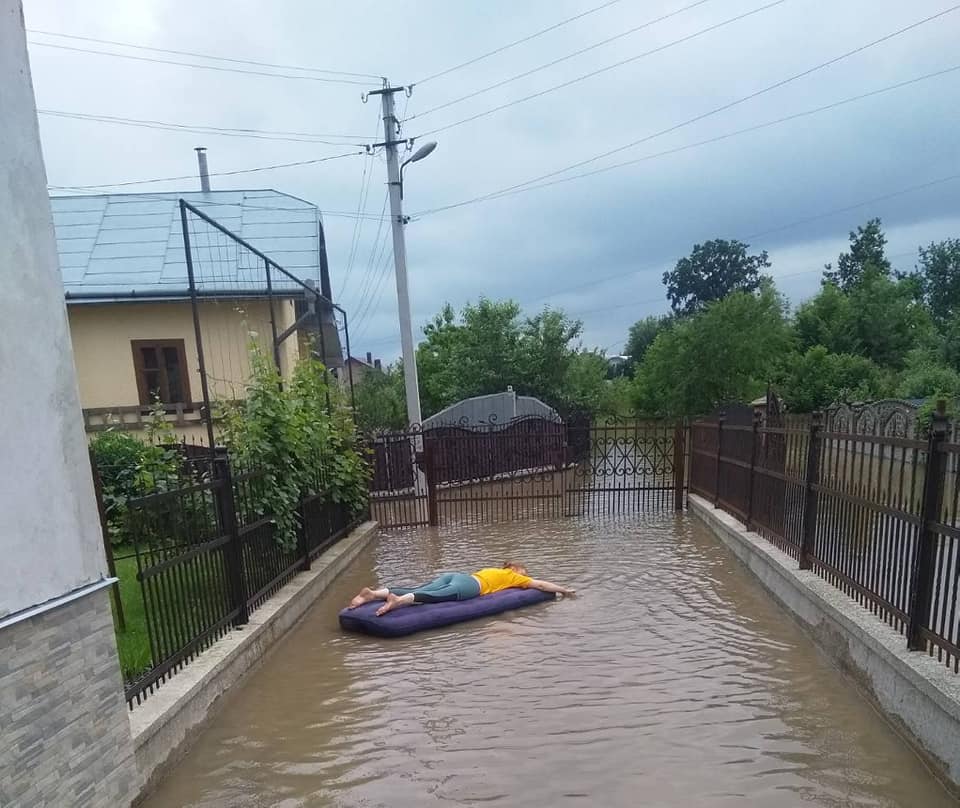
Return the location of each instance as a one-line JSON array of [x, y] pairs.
[[391, 135]]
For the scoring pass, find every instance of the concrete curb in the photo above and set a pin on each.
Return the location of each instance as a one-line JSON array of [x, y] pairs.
[[164, 726], [917, 693]]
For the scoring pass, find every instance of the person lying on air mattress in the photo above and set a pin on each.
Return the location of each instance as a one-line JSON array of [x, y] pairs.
[[457, 586]]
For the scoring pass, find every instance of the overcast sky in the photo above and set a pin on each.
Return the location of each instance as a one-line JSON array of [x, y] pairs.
[[539, 247]]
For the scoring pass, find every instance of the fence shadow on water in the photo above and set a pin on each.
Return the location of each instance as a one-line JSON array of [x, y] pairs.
[[875, 515], [202, 554]]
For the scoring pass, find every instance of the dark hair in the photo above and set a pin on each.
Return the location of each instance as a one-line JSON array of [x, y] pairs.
[[511, 564]]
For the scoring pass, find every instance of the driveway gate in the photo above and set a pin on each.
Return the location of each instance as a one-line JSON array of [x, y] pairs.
[[527, 469]]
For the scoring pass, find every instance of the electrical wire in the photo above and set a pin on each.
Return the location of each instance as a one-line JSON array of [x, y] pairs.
[[213, 173], [365, 180], [260, 134], [547, 65], [376, 241], [715, 139], [201, 55], [697, 118], [375, 275], [520, 41], [196, 66], [599, 71], [796, 223]]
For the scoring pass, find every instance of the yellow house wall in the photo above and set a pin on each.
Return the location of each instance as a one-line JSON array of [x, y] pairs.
[[102, 333]]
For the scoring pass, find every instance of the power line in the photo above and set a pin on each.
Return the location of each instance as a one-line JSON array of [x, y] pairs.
[[217, 68], [365, 179], [202, 55], [212, 173], [521, 41], [376, 242], [699, 143], [700, 117], [557, 61], [260, 134], [796, 223], [601, 70], [375, 291]]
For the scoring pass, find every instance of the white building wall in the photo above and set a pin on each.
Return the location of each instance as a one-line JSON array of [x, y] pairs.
[[49, 530]]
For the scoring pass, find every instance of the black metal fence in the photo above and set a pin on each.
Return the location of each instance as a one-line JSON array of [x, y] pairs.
[[528, 468], [204, 554], [874, 515]]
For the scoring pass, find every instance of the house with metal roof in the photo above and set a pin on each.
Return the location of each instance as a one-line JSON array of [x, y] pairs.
[[128, 295]]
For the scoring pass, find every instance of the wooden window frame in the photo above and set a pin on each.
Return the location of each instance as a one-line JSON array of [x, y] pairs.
[[136, 346]]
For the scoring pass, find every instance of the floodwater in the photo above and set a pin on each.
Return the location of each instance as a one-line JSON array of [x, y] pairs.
[[671, 681]]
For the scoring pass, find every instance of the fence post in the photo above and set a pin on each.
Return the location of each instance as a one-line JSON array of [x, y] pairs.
[[716, 480], [810, 498], [107, 545], [679, 469], [754, 445], [429, 472], [303, 544], [924, 562], [233, 550]]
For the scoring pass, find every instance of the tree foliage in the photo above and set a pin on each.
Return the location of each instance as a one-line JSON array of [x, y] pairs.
[[641, 336], [712, 271], [726, 353], [296, 438], [380, 399], [817, 378], [938, 277], [866, 256], [490, 346]]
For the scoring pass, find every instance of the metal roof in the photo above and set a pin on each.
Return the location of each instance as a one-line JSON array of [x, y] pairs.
[[117, 246]]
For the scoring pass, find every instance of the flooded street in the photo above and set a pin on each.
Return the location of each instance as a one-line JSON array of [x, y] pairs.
[[672, 680]]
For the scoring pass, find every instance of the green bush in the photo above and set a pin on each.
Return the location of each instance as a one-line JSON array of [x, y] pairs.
[[299, 438], [131, 468]]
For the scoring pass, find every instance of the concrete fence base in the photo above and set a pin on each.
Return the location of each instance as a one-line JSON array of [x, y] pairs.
[[919, 695], [164, 726]]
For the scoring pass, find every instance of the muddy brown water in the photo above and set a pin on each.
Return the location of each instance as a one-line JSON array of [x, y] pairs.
[[672, 680]]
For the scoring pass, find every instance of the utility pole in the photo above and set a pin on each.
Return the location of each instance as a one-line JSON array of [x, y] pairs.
[[391, 138]]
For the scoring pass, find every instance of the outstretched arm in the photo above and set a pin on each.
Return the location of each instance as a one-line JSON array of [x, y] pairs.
[[546, 586]]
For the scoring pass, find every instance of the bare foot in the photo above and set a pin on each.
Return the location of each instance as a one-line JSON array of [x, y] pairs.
[[393, 602], [365, 595]]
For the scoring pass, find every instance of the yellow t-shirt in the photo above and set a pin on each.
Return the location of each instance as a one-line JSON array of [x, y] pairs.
[[493, 580]]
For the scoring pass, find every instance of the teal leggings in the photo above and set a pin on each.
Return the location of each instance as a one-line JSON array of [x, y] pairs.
[[449, 586]]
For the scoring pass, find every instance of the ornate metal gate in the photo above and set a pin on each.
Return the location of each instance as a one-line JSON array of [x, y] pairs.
[[529, 468]]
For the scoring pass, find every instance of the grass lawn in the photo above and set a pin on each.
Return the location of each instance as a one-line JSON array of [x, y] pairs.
[[133, 643], [199, 590]]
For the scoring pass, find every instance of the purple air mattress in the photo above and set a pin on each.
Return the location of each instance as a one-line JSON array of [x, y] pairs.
[[421, 616]]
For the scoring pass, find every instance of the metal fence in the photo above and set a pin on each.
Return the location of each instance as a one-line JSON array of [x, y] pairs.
[[874, 515], [529, 467], [202, 556]]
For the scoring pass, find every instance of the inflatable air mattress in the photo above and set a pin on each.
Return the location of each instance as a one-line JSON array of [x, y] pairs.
[[421, 616]]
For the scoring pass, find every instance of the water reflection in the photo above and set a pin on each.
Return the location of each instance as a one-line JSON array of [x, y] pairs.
[[673, 680]]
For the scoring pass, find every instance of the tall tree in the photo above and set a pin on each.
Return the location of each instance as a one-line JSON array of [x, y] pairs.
[[712, 271], [866, 256], [729, 352]]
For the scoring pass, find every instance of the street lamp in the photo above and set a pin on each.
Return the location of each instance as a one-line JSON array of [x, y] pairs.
[[419, 154]]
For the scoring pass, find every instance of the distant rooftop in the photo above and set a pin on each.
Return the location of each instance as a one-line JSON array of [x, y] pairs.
[[113, 246]]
